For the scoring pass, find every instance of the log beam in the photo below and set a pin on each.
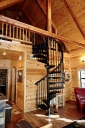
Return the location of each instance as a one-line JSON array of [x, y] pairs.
[[49, 15], [43, 7], [7, 3]]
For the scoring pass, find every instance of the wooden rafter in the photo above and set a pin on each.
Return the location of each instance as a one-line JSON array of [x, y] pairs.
[[74, 17], [29, 18], [7, 3], [49, 15], [43, 8]]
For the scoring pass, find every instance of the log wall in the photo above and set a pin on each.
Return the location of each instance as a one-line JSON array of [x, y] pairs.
[[67, 90], [33, 71], [76, 64], [19, 65]]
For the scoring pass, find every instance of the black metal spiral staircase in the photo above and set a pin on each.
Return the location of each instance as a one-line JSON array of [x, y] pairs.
[[49, 52]]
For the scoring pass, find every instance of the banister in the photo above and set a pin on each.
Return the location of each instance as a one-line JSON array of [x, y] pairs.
[[32, 28]]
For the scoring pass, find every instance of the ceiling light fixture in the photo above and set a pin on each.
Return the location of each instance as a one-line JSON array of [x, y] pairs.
[[4, 53]]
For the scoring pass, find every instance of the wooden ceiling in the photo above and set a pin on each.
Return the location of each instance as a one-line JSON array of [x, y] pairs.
[[68, 17]]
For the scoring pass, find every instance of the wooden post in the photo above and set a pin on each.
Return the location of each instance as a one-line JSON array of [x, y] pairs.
[[9, 30], [49, 15], [2, 28]]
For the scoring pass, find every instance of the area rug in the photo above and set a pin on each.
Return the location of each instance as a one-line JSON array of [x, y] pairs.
[[77, 124]]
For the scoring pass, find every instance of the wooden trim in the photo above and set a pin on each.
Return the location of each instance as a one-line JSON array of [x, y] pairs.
[[23, 41]]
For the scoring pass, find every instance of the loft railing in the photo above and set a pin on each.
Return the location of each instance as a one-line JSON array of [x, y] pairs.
[[22, 31], [12, 32]]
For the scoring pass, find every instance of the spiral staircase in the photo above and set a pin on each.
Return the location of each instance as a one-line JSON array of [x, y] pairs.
[[49, 52]]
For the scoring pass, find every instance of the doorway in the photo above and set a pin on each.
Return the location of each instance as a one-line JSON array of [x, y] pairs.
[[3, 81]]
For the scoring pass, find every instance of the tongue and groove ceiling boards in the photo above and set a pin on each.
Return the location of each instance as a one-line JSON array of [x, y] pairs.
[[68, 17]]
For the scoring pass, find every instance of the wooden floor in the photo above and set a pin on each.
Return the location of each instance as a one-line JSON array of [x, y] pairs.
[[65, 116]]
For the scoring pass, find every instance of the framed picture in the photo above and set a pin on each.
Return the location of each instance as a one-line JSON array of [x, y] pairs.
[[20, 76]]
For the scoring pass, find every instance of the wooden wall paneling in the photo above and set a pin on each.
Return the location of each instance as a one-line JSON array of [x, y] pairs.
[[67, 70], [75, 80], [25, 77], [20, 95], [19, 64], [64, 22], [29, 77], [74, 16], [34, 72], [76, 64]]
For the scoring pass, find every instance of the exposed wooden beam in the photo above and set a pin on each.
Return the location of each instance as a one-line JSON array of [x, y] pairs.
[[74, 17], [7, 3], [49, 15], [37, 30], [43, 7], [29, 18]]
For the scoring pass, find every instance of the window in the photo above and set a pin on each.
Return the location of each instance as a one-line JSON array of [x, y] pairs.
[[82, 78]]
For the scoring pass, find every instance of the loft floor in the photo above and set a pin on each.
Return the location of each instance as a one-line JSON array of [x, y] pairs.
[[37, 118]]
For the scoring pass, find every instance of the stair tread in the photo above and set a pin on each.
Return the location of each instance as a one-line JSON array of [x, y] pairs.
[[53, 49], [43, 106], [55, 72], [40, 44], [56, 77], [53, 88], [40, 52], [49, 66], [43, 61], [40, 56], [40, 48], [45, 101], [56, 82], [54, 92]]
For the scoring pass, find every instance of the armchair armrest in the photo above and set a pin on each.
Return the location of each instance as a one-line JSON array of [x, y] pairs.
[[79, 97]]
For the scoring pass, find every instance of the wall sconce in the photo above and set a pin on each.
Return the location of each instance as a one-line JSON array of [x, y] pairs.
[[20, 57], [83, 59]]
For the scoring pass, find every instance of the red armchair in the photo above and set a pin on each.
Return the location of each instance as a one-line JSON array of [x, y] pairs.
[[80, 97]]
